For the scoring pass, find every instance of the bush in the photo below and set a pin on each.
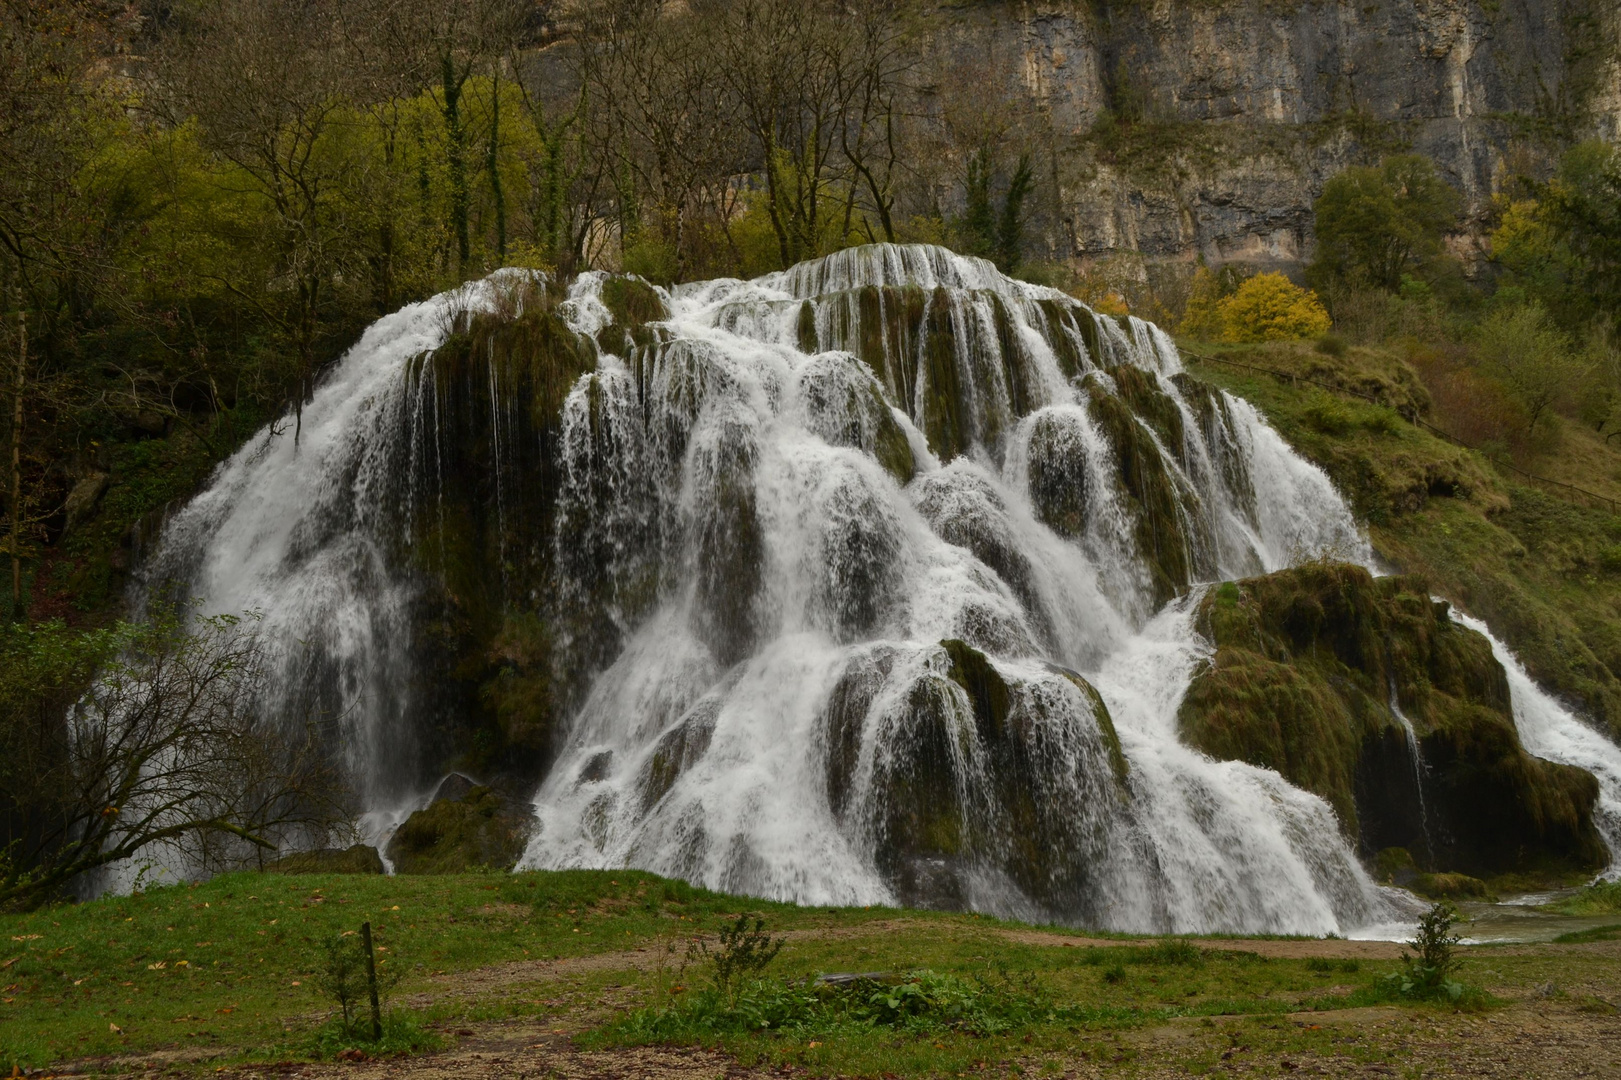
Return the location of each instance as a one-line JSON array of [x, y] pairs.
[[1427, 971], [1521, 348], [920, 1002], [1270, 307]]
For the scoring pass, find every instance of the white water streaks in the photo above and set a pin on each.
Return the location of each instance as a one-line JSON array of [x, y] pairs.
[[778, 747], [869, 572], [295, 529], [1549, 730]]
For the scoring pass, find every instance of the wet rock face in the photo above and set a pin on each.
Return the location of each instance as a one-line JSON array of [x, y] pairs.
[[972, 791], [467, 825], [1315, 671], [358, 859], [1241, 109]]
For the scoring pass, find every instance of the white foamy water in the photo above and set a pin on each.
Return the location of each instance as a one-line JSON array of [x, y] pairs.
[[884, 619]]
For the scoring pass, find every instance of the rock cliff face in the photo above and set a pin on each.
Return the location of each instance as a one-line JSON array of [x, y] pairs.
[[1179, 128]]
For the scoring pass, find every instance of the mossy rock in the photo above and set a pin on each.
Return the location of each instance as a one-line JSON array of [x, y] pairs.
[[1451, 887], [358, 859], [1028, 823], [633, 303], [1150, 493], [478, 829], [1309, 666]]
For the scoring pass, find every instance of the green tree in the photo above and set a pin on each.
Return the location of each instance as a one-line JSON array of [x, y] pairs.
[[984, 230], [1521, 347], [1561, 246], [1373, 224]]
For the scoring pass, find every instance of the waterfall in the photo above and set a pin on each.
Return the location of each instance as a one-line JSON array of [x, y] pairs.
[[1549, 730], [871, 581], [1415, 756]]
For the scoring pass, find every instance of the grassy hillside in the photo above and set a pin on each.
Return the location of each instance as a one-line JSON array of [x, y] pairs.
[[1541, 565]]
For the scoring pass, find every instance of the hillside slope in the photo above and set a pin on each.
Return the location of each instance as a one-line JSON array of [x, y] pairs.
[[1543, 570]]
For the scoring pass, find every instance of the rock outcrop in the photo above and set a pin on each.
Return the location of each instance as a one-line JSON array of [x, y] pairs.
[[1315, 671]]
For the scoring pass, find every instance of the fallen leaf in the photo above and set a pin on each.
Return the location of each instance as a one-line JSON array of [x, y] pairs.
[[115, 1029], [8, 963], [159, 966], [26, 937]]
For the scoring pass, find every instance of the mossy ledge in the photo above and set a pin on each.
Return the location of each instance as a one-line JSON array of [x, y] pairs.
[[1309, 666]]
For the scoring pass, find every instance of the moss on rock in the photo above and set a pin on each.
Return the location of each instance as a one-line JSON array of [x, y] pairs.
[[1310, 665], [1150, 493], [357, 859], [451, 835]]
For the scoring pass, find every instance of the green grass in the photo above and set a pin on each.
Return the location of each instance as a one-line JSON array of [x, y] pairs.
[[1583, 937], [1600, 898], [222, 972], [229, 963]]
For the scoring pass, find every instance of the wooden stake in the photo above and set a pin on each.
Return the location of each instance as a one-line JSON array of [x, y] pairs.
[[371, 984]]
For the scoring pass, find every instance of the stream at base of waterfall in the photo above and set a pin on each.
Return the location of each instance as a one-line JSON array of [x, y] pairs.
[[915, 603]]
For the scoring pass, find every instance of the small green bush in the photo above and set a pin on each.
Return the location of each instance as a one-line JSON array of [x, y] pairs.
[[1427, 972], [920, 1002]]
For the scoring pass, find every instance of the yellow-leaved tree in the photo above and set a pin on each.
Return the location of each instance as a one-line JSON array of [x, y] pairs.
[[1270, 307]]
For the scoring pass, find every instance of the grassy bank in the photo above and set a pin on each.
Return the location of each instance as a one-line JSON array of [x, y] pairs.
[[226, 972], [1541, 566]]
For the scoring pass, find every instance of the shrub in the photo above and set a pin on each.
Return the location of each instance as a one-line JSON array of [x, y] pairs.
[[1270, 307], [744, 952], [919, 1002], [1427, 971], [1331, 345]]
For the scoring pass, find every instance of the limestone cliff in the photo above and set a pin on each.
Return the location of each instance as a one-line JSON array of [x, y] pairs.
[[1179, 128]]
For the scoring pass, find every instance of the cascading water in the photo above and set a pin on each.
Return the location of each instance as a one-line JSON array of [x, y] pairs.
[[1416, 755], [870, 581]]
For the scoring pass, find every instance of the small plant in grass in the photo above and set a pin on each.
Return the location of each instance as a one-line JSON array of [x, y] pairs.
[[341, 977], [744, 953], [402, 1034], [1427, 971], [1114, 974], [1171, 951]]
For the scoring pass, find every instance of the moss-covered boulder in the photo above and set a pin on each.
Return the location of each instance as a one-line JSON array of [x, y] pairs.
[[358, 859], [1149, 490], [1314, 671], [633, 304], [984, 778], [467, 826]]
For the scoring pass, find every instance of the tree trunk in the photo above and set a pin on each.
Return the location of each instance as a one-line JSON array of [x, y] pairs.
[[456, 157], [17, 459], [494, 165]]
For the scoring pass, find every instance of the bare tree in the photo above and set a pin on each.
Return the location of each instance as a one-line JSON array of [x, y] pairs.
[[165, 751], [658, 114], [817, 87]]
